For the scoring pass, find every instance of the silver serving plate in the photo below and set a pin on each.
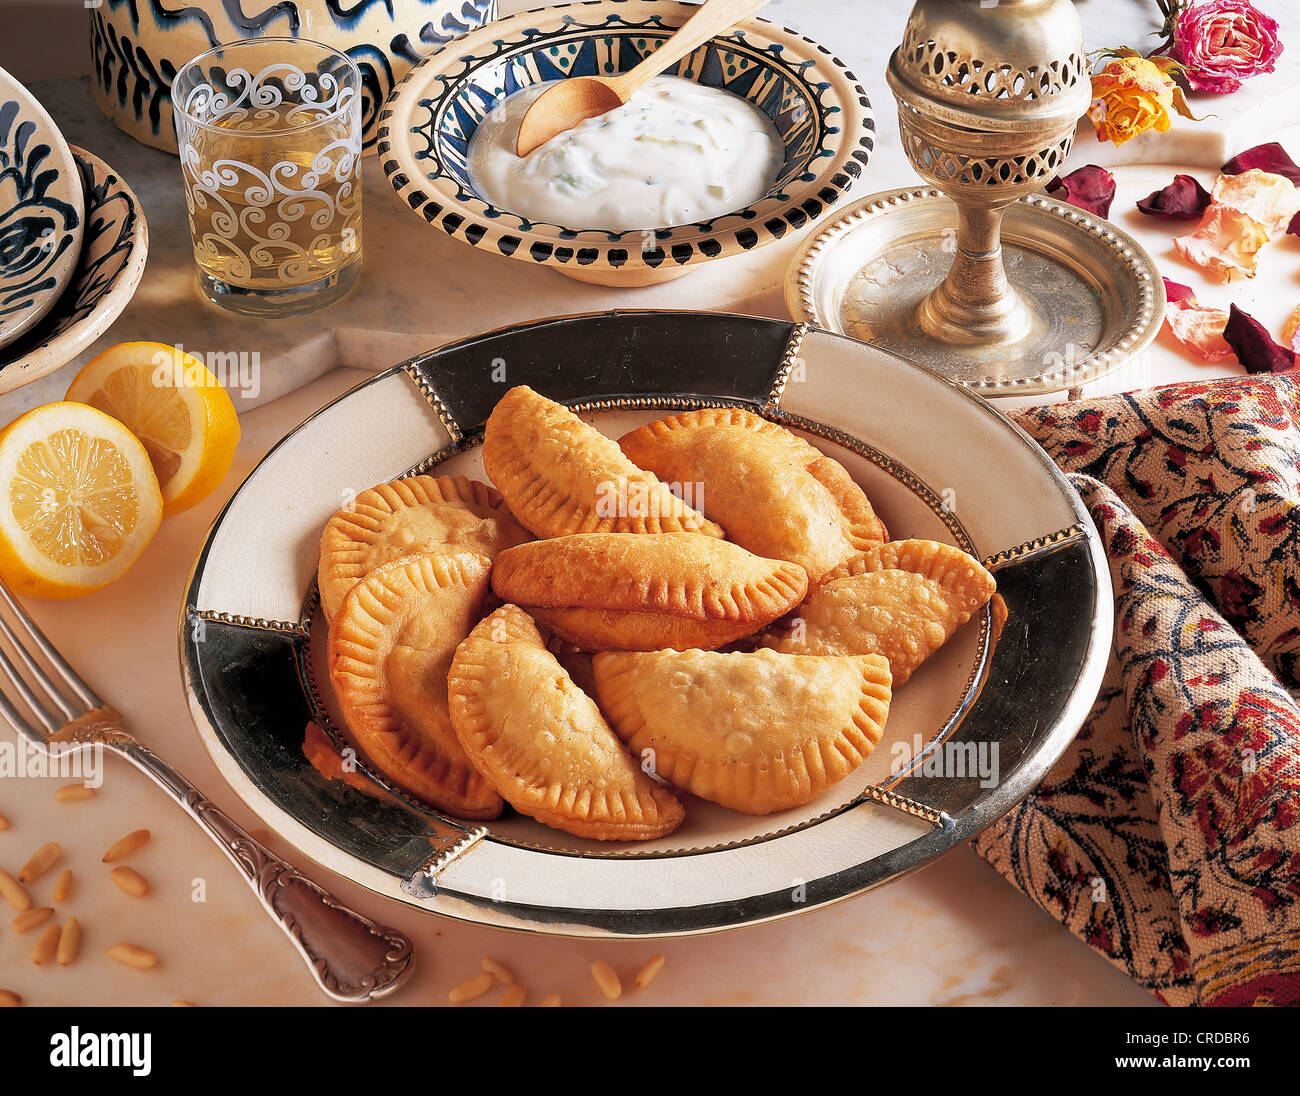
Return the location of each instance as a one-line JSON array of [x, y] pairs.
[[1096, 294], [1013, 685]]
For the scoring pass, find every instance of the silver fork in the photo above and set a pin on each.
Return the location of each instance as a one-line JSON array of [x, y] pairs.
[[351, 958]]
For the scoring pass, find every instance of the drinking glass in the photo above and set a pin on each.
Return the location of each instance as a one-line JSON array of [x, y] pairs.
[[270, 145]]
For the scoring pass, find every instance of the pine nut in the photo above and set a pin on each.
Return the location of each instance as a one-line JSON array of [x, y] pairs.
[[4, 825], [132, 956], [63, 886], [134, 840], [29, 919], [46, 945], [650, 971], [467, 991], [498, 971], [72, 793], [9, 999], [69, 942], [607, 979], [513, 997], [553, 1001], [43, 859], [130, 880], [12, 893]]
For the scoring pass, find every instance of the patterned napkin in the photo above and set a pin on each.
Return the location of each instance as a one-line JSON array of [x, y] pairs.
[[1168, 835]]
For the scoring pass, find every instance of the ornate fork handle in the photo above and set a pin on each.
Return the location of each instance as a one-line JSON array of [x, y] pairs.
[[351, 957]]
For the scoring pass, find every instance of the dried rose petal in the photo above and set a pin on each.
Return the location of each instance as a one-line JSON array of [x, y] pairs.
[[1184, 198], [1267, 198], [1291, 330], [1176, 291], [1268, 157], [1090, 187], [1293, 229], [1199, 328], [1225, 241], [1253, 345]]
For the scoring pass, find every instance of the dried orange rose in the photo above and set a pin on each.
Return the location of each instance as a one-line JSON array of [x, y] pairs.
[[1130, 96]]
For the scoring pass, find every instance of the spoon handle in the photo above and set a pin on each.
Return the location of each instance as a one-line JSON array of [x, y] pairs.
[[713, 18]]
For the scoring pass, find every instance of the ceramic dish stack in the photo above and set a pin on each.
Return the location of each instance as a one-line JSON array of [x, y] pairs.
[[73, 242]]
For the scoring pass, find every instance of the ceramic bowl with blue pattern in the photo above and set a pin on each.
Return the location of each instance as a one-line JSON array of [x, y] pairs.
[[138, 46], [816, 104]]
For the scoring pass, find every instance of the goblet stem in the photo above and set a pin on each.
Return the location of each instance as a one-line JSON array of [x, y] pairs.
[[976, 303]]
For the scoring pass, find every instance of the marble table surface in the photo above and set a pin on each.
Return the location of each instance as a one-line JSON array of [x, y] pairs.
[[951, 934]]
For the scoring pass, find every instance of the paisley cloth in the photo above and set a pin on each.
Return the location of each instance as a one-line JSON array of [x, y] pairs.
[[1168, 835]]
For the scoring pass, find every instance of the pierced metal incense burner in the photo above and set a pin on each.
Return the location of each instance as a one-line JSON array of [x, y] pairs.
[[989, 92]]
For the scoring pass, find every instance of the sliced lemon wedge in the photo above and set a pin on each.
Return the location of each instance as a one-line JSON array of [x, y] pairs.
[[175, 406], [78, 501]]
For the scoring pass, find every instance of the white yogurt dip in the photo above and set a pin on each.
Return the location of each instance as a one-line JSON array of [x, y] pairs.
[[676, 153]]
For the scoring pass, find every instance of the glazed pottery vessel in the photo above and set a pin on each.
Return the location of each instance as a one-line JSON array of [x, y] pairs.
[[138, 46]]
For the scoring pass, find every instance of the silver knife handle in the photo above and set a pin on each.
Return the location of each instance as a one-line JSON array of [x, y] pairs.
[[352, 958]]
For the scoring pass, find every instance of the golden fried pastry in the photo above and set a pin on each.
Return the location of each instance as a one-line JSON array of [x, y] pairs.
[[757, 732], [542, 742], [560, 476], [390, 647], [774, 493], [903, 600], [646, 591], [408, 517]]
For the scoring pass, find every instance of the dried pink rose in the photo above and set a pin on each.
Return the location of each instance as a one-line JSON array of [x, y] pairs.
[[1254, 346], [1220, 43], [1183, 199], [1270, 157], [1090, 187], [1198, 328]]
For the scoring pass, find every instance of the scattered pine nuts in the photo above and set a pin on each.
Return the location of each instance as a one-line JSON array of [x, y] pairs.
[[4, 825], [13, 893], [130, 880], [63, 886], [46, 945], [43, 859], [69, 942], [467, 991], [650, 971], [553, 1001], [72, 793], [498, 971], [513, 997], [132, 956], [134, 840], [29, 919], [9, 999], [607, 979]]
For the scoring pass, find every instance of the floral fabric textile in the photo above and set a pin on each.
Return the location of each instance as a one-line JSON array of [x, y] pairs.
[[1168, 835]]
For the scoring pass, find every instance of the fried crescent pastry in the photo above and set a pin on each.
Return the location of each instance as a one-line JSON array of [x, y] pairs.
[[390, 647], [646, 591], [560, 476], [407, 517], [757, 732], [774, 493], [903, 600], [542, 742]]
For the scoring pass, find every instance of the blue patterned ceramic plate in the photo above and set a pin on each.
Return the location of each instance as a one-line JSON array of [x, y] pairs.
[[971, 733], [41, 213], [109, 268], [816, 104]]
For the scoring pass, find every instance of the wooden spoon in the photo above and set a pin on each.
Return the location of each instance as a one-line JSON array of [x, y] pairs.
[[578, 98]]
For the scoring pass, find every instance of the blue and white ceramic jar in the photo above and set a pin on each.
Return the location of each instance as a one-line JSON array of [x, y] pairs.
[[137, 46]]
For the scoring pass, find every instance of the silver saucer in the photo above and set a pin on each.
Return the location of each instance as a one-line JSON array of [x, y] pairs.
[[1096, 293]]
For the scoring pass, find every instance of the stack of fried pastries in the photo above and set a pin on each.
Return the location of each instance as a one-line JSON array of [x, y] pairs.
[[742, 648]]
